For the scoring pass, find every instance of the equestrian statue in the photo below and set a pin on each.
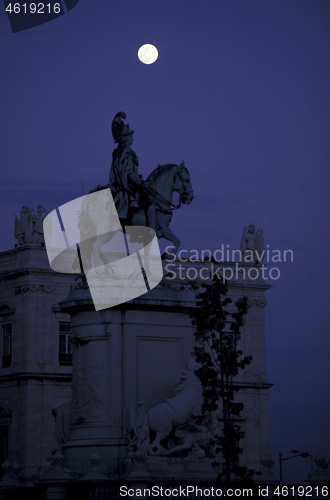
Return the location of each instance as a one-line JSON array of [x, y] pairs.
[[138, 202], [145, 202]]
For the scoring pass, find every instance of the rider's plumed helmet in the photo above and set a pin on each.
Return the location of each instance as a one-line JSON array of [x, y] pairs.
[[119, 128]]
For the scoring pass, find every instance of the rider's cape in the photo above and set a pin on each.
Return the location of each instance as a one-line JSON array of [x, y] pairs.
[[123, 165]]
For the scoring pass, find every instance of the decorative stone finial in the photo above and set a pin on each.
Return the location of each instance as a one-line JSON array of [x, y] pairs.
[[95, 459], [7, 467], [267, 462], [321, 462], [56, 460], [95, 474]]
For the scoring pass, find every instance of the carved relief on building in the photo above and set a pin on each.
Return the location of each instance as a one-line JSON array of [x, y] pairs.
[[175, 428], [89, 401], [33, 288], [257, 302]]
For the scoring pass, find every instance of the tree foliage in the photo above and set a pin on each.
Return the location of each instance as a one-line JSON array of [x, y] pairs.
[[217, 334]]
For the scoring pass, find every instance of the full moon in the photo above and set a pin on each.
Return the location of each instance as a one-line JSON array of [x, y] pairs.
[[148, 54]]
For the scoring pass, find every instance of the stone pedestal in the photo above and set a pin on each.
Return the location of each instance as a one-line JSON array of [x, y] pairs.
[[176, 469], [95, 409], [121, 355]]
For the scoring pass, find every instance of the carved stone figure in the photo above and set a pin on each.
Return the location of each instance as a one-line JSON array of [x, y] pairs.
[[23, 228], [28, 228], [136, 420], [62, 423], [191, 441], [252, 244], [38, 231], [168, 428]]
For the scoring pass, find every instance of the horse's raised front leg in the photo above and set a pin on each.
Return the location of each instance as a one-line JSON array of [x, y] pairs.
[[96, 259]]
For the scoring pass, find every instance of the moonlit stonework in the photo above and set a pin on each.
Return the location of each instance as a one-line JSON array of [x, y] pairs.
[[148, 54]]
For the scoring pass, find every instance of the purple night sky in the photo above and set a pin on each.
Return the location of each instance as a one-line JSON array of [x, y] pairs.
[[241, 93]]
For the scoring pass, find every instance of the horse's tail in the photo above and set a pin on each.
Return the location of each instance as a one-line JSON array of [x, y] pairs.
[[84, 220]]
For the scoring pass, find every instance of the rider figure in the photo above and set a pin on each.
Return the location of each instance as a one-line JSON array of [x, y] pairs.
[[126, 185]]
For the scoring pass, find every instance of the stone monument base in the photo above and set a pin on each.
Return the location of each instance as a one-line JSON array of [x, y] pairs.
[[176, 469], [163, 469], [112, 453]]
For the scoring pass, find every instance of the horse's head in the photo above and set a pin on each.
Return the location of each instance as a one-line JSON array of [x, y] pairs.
[[183, 184], [169, 178]]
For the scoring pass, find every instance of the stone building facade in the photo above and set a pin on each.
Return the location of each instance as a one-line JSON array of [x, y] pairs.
[[35, 359]]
